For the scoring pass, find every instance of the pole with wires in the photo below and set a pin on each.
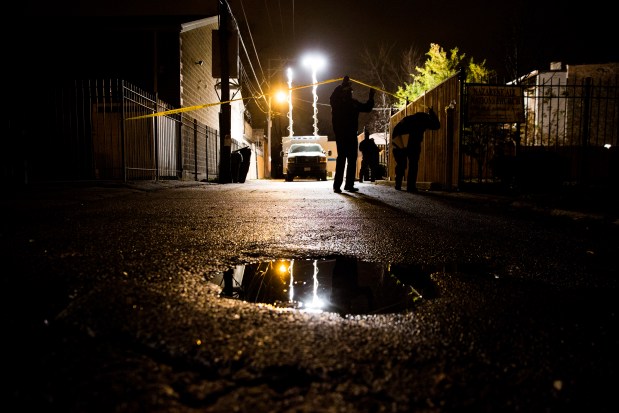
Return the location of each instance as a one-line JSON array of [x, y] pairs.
[[225, 120]]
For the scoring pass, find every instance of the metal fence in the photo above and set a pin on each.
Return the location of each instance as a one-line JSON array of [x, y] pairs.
[[569, 136], [86, 132], [81, 131]]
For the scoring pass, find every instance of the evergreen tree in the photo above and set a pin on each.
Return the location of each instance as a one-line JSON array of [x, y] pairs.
[[438, 67]]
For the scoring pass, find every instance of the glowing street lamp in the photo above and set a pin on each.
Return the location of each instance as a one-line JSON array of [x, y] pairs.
[[281, 96], [315, 63]]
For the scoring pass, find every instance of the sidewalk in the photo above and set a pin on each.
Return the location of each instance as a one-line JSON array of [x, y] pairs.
[[599, 204]]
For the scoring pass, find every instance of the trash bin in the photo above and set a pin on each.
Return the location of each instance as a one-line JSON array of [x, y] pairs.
[[244, 166], [236, 159]]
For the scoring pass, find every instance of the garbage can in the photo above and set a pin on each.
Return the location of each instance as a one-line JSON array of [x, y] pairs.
[[244, 166], [236, 159]]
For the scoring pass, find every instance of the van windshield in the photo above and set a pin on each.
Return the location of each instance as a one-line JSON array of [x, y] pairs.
[[305, 148]]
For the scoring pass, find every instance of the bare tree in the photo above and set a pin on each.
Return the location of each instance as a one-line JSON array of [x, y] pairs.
[[386, 70], [411, 60], [518, 34]]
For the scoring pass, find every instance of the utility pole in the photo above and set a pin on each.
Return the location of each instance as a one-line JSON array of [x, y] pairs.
[[269, 146], [225, 121], [274, 160]]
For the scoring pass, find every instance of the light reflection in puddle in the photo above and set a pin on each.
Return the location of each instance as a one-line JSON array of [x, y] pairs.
[[337, 284]]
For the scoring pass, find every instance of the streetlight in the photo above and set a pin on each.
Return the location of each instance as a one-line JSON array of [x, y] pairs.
[[315, 62]]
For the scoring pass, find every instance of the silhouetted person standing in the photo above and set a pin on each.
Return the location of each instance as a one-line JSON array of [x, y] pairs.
[[369, 161], [413, 128], [348, 295], [345, 117]]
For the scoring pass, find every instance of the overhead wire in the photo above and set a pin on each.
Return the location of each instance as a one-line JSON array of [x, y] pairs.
[[281, 18], [265, 79], [258, 96], [256, 92], [249, 60]]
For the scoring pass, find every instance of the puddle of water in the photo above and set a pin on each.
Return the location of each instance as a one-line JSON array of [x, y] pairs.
[[343, 285]]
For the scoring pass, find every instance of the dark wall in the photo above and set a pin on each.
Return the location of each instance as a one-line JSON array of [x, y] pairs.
[[144, 51]]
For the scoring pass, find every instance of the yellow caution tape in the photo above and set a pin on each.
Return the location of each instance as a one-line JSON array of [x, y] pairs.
[[206, 105], [371, 87], [181, 110]]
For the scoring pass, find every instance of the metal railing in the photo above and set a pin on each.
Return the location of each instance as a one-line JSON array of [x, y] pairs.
[[80, 131], [84, 134], [570, 135]]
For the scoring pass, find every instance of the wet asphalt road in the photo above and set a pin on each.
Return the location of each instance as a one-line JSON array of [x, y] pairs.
[[106, 297]]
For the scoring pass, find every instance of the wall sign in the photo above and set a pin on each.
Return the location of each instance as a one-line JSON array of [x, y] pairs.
[[494, 104]]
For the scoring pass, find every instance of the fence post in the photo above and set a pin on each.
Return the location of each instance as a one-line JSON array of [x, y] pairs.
[[462, 120], [195, 149], [586, 115], [156, 136], [123, 145], [449, 147], [179, 148]]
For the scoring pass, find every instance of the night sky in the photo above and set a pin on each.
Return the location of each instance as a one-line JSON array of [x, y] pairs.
[[547, 31]]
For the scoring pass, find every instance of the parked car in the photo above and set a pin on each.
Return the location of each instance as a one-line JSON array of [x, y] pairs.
[[306, 160]]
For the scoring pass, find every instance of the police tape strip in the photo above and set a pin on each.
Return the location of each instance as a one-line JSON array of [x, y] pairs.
[[206, 105], [372, 87], [181, 110]]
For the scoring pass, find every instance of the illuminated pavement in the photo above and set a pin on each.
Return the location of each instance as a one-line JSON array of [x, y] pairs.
[[109, 308]]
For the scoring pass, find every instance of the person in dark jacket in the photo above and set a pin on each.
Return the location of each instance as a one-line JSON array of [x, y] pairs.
[[406, 139], [345, 117], [369, 161]]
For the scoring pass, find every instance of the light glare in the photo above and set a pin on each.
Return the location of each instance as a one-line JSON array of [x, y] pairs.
[[281, 96], [315, 62]]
